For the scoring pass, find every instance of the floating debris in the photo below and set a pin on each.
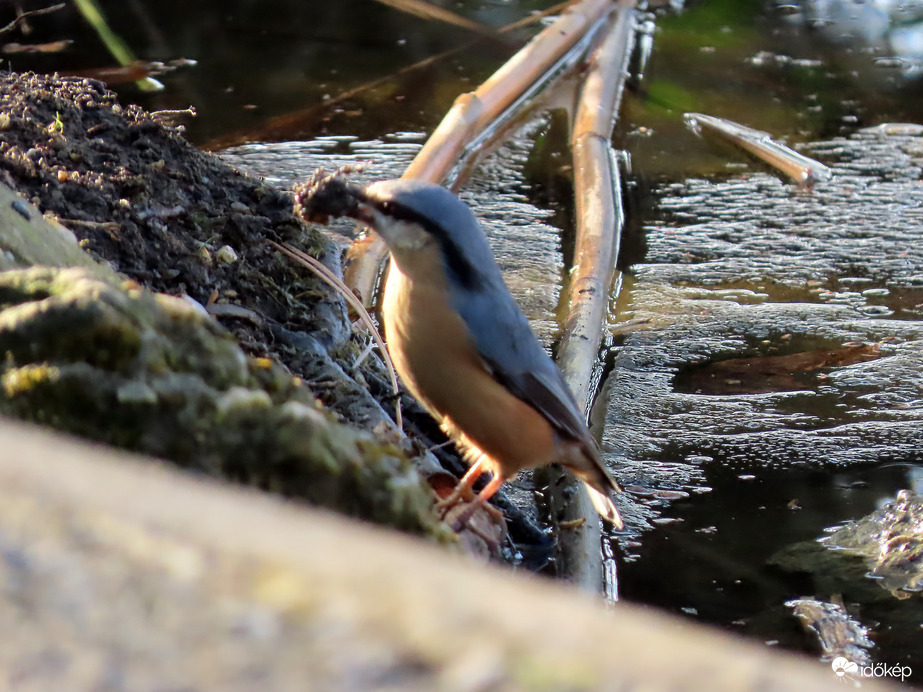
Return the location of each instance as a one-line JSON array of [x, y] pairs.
[[838, 633], [803, 170]]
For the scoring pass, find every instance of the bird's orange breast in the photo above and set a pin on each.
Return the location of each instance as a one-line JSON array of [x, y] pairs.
[[437, 360]]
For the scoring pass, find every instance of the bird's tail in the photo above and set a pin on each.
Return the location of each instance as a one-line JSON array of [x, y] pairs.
[[604, 505], [584, 460], [599, 485]]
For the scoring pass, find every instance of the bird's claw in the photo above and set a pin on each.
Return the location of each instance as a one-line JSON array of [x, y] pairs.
[[489, 525]]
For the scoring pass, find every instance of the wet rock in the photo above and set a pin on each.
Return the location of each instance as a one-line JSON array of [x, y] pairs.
[[837, 633], [150, 373], [890, 541]]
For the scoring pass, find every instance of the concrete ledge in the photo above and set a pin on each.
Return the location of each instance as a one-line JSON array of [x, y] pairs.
[[120, 573]]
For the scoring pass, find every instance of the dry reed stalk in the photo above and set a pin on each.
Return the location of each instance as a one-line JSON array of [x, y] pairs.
[[599, 206], [599, 225], [431, 12], [471, 115], [803, 170]]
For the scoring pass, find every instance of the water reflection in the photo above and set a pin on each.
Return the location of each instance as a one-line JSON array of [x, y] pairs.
[[751, 270], [893, 31], [259, 60]]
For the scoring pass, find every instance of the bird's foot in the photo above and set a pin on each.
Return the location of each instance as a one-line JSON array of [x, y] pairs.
[[471, 503], [453, 499], [478, 524], [469, 514]]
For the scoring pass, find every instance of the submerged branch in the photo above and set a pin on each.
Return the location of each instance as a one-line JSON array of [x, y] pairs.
[[283, 125], [599, 224], [23, 16]]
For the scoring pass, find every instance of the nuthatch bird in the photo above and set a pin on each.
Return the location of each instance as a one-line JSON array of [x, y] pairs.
[[461, 344]]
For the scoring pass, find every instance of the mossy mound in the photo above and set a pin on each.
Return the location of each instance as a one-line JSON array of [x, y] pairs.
[[154, 374]]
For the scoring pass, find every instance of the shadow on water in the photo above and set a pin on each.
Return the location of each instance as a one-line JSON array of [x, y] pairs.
[[725, 262]]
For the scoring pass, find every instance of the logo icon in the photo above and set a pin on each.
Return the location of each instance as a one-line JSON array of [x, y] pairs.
[[844, 669]]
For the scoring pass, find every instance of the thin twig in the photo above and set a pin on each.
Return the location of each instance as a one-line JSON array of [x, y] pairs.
[[334, 282], [103, 225], [229, 310], [429, 11], [22, 16]]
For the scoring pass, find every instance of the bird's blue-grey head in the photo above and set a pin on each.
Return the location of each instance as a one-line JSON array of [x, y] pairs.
[[408, 213]]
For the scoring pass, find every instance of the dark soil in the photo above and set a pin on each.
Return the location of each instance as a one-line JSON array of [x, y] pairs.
[[180, 221], [139, 196]]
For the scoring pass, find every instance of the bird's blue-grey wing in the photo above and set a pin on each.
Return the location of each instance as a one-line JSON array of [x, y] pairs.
[[515, 358]]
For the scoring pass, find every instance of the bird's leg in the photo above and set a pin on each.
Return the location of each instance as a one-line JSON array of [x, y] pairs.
[[463, 489], [480, 501]]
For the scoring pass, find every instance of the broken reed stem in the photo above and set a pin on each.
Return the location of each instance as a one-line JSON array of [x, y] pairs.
[[472, 114], [599, 205], [337, 285], [429, 11], [803, 170], [597, 188]]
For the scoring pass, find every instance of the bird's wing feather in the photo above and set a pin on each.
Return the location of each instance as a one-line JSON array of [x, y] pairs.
[[504, 340], [517, 360]]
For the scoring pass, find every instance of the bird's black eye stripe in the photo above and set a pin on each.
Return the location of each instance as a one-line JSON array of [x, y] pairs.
[[461, 269]]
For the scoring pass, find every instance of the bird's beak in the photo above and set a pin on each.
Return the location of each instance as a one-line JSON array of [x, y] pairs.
[[364, 212]]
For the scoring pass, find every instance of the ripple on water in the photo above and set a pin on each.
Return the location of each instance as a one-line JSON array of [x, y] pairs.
[[754, 270], [753, 267]]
